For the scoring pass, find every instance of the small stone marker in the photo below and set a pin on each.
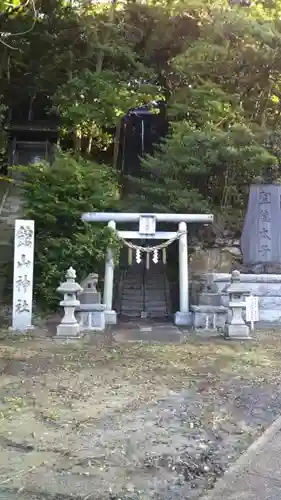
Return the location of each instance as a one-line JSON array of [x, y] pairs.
[[69, 326], [252, 310], [237, 328], [23, 275]]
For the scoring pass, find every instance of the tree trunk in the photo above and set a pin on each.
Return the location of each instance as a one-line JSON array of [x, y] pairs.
[[30, 109], [77, 141], [116, 143], [106, 38]]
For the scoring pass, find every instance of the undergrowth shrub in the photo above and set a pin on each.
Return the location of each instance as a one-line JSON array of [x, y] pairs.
[[55, 197]]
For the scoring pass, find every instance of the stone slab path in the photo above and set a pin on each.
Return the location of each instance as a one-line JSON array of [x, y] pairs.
[[257, 474]]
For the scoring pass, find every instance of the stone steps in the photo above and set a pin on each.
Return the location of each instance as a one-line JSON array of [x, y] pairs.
[[147, 292], [132, 294], [138, 303], [130, 313]]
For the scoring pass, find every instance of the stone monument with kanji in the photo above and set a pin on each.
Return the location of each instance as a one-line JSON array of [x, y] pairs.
[[261, 236]]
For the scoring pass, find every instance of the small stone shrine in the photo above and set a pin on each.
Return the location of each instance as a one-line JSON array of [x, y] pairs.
[[236, 328], [69, 326], [91, 311]]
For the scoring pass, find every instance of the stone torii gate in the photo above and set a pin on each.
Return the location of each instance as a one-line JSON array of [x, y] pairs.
[[147, 230]]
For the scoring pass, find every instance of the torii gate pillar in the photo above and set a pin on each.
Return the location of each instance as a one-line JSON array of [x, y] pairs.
[[183, 316], [110, 314]]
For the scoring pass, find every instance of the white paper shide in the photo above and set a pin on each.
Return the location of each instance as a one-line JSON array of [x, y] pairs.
[[23, 274]]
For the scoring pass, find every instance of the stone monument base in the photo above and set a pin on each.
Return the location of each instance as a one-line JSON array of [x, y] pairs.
[[110, 317], [183, 318], [66, 330], [17, 331], [209, 317], [237, 332], [92, 317]]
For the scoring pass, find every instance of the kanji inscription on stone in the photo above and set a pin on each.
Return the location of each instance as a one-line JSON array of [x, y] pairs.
[[22, 306], [24, 262], [264, 233], [23, 283], [24, 236], [264, 196], [23, 275], [265, 215], [263, 251]]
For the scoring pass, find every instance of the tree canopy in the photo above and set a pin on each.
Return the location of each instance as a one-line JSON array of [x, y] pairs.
[[216, 65]]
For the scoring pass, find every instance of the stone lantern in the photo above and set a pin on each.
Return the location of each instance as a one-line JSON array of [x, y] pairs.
[[69, 327], [236, 328]]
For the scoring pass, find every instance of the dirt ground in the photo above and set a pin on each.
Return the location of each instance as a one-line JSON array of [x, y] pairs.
[[130, 421]]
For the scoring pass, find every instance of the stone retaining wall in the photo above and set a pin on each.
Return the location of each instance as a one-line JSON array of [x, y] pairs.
[[266, 287]]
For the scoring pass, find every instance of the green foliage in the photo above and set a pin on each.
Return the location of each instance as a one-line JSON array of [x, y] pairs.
[[55, 198], [91, 103], [224, 103], [199, 170], [204, 105]]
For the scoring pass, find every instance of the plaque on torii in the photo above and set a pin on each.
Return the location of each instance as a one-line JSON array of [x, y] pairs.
[[147, 225]]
